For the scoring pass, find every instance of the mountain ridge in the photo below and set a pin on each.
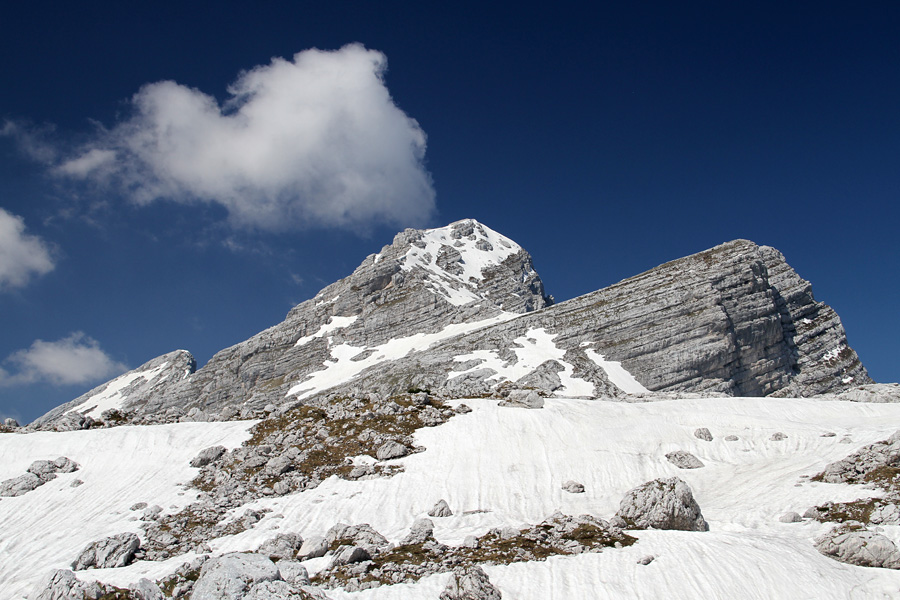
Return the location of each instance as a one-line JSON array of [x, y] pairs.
[[735, 319]]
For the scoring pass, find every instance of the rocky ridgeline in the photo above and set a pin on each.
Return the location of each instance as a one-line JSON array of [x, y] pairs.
[[733, 320]]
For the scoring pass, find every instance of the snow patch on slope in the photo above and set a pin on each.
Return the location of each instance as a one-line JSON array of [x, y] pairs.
[[343, 367], [333, 323], [112, 397], [618, 375], [532, 350], [483, 248]]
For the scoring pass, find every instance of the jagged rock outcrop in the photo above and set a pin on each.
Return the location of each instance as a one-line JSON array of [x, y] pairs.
[[470, 583], [857, 546], [108, 553], [460, 310], [864, 464]]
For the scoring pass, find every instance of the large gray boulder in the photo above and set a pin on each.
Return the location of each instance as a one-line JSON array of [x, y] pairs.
[[63, 585], [20, 485], [232, 576], [108, 553], [660, 504], [283, 545], [207, 456], [470, 583], [859, 547]]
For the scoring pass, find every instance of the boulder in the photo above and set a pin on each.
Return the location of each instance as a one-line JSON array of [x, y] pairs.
[[231, 576], [313, 547], [63, 585], [702, 433], [790, 517], [778, 436], [207, 456], [20, 485], [573, 487], [421, 530], [108, 553], [441, 509], [357, 535], [523, 399], [470, 583], [390, 450], [283, 545], [145, 589], [293, 571], [684, 460], [661, 504], [350, 555], [859, 547]]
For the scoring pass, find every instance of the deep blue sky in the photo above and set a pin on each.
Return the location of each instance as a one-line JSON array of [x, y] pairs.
[[604, 139]]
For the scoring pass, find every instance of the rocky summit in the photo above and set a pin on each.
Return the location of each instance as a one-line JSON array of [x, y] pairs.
[[434, 425]]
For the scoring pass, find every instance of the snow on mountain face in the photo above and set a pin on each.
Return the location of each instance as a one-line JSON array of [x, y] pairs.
[[456, 257]]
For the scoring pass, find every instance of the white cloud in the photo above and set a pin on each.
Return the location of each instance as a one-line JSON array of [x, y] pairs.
[[313, 141], [22, 256], [75, 359]]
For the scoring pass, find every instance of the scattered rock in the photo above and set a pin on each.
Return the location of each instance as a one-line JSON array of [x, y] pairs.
[[790, 517], [470, 583], [684, 460], [646, 560], [573, 487], [828, 434], [441, 509], [76, 483], [778, 436], [881, 456], [731, 438], [357, 535], [661, 504], [350, 555], [138, 506], [703, 433]]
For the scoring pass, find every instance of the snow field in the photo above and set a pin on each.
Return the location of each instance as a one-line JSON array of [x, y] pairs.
[[46, 528], [497, 467]]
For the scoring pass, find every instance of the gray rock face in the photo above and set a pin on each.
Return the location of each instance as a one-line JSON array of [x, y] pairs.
[[108, 553], [440, 509], [733, 320], [661, 504], [859, 547], [154, 378], [470, 584], [684, 460]]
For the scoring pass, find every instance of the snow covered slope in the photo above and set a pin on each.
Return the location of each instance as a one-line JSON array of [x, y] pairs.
[[500, 467]]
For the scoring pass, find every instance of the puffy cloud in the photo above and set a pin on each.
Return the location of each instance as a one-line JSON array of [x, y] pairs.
[[313, 141], [75, 359], [22, 256]]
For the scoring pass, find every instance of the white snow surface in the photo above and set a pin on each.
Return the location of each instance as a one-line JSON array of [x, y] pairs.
[[111, 397], [499, 466], [48, 527], [343, 368], [333, 323], [457, 287], [618, 375], [532, 350]]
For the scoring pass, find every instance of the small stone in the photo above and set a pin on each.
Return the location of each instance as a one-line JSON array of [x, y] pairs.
[[573, 487], [440, 509], [731, 438], [703, 433], [646, 560], [684, 460], [790, 517], [138, 506], [778, 436]]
